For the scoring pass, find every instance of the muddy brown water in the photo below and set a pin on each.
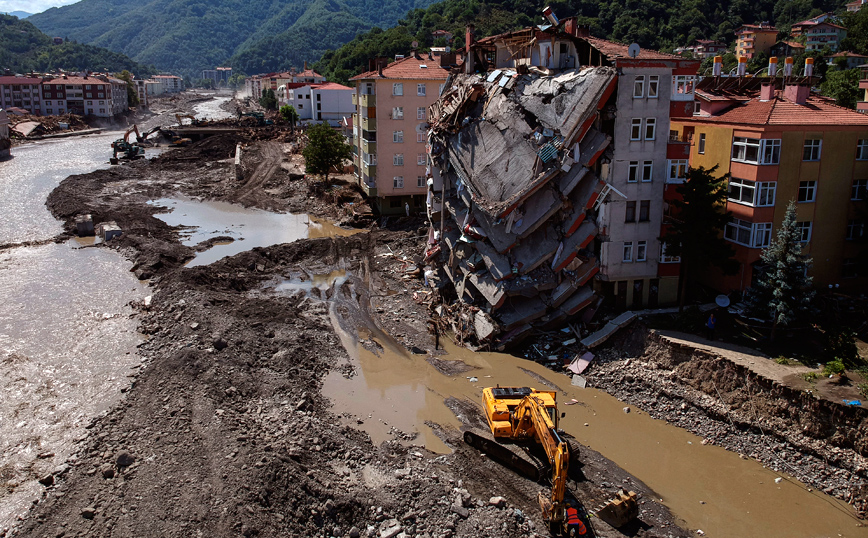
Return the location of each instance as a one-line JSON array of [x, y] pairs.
[[705, 486]]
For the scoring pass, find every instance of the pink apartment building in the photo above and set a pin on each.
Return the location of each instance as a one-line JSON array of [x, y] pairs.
[[390, 128]]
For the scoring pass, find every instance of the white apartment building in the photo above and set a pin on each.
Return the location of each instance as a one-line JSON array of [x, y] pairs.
[[21, 92]]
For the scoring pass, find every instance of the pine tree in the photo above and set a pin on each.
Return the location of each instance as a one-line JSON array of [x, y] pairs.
[[325, 150], [784, 291], [696, 225]]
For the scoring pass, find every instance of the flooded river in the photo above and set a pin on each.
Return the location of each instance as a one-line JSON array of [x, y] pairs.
[[706, 486], [67, 342]]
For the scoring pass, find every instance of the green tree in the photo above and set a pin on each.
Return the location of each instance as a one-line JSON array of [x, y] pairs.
[[783, 291], [325, 149], [268, 101], [132, 94], [236, 80], [857, 32], [695, 230], [843, 87], [289, 115]]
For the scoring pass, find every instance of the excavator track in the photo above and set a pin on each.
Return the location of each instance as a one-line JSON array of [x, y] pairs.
[[507, 455]]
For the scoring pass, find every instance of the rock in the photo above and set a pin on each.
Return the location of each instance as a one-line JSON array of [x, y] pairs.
[[107, 470], [355, 532], [778, 480], [390, 531], [88, 512], [627, 409], [499, 502], [460, 510], [124, 459], [47, 480], [194, 326], [219, 344]]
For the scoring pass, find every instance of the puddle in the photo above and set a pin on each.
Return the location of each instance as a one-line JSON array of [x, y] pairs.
[[249, 228], [739, 497], [319, 282]]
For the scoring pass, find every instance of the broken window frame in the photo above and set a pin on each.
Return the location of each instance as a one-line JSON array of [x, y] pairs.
[[664, 258], [647, 171], [653, 86], [636, 129], [639, 87], [627, 254], [398, 159], [633, 172], [397, 88], [630, 211], [650, 128], [683, 87], [398, 137], [398, 182], [641, 251], [644, 210], [855, 229]]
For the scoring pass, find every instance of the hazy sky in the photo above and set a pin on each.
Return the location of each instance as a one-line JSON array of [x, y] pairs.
[[31, 6]]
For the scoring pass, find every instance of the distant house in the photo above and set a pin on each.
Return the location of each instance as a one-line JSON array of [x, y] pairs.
[[217, 75], [853, 7], [21, 92], [799, 28], [754, 39], [824, 34], [703, 48], [58, 40], [442, 33], [786, 48], [853, 60]]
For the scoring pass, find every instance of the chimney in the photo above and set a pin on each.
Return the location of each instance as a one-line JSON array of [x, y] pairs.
[[797, 93], [767, 92], [788, 66], [718, 66], [809, 67], [469, 64], [305, 65], [773, 66], [583, 30], [742, 66], [570, 25]]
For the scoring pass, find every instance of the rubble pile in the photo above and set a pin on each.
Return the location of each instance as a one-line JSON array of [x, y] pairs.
[[513, 187], [40, 125]]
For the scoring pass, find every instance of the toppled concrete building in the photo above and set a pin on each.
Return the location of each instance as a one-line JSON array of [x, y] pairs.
[[521, 154], [516, 158]]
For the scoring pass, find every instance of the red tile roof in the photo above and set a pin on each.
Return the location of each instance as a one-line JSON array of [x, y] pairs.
[[80, 80], [846, 54], [19, 80], [330, 86], [619, 50], [410, 67], [781, 111], [308, 73]]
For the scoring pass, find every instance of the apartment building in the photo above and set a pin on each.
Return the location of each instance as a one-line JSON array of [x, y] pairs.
[[390, 128], [21, 92], [799, 28], [96, 95], [168, 84], [703, 48], [753, 39], [824, 34], [326, 101], [254, 85], [781, 144], [648, 161], [219, 75], [862, 106], [5, 142]]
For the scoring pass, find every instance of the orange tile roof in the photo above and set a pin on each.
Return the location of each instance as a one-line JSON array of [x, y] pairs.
[[330, 86], [619, 50], [410, 68], [308, 73], [79, 80], [781, 111]]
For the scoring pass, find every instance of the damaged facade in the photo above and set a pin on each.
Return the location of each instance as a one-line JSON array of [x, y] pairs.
[[531, 173]]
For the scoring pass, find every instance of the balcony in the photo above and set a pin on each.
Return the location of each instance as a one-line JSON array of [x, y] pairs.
[[368, 100], [370, 190], [355, 99], [369, 170], [369, 146], [369, 124]]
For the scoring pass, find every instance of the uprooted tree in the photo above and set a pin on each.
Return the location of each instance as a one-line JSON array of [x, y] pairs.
[[783, 290], [695, 226], [325, 149]]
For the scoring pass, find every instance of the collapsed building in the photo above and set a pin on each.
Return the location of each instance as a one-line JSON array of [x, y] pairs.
[[521, 163]]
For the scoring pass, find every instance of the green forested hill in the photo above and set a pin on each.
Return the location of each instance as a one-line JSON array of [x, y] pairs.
[[186, 36], [24, 48], [654, 24]]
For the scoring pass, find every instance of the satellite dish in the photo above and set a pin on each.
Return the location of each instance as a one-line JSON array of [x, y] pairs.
[[415, 44], [722, 301], [633, 50]]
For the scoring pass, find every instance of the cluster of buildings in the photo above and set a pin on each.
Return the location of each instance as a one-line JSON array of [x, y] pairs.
[[83, 94], [547, 161], [314, 98], [220, 75]]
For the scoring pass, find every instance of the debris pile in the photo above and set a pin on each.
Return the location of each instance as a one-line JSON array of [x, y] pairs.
[[513, 187]]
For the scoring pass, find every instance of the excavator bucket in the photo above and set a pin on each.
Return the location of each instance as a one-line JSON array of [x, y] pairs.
[[620, 510]]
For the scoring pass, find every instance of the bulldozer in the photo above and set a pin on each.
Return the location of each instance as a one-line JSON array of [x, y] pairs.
[[528, 418]]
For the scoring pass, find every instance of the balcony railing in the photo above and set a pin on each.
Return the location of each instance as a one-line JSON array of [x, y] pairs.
[[367, 100], [369, 146], [369, 124]]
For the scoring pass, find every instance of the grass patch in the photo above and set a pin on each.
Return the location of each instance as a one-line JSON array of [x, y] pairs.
[[811, 377]]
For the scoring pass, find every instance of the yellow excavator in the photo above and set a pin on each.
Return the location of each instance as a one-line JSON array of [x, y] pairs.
[[528, 416]]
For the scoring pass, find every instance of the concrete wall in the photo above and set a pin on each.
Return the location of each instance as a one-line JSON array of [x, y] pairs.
[[331, 104]]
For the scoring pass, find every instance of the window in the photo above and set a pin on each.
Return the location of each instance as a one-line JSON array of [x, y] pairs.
[[633, 174], [397, 136], [90, 102], [398, 113], [630, 213], [812, 150], [855, 229], [644, 210], [650, 128], [677, 171], [665, 258], [746, 150], [741, 191], [49, 111], [48, 103], [397, 88], [804, 231], [807, 191], [87, 86], [420, 89], [859, 191], [682, 87], [647, 169], [420, 137], [420, 181], [421, 159], [102, 110], [301, 106], [765, 195], [701, 148], [771, 151], [639, 86], [862, 150], [628, 252], [398, 182], [372, 159], [653, 85], [756, 235], [420, 113], [636, 129], [641, 251], [398, 159], [762, 234]]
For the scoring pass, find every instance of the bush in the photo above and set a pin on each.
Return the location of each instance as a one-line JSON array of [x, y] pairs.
[[863, 389], [835, 367], [782, 360], [810, 377], [841, 344]]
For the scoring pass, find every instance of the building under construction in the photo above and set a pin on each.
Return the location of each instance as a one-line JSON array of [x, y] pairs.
[[531, 176]]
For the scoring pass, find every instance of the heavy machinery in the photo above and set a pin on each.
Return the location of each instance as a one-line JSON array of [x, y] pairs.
[[128, 151], [260, 117], [527, 417], [181, 117]]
